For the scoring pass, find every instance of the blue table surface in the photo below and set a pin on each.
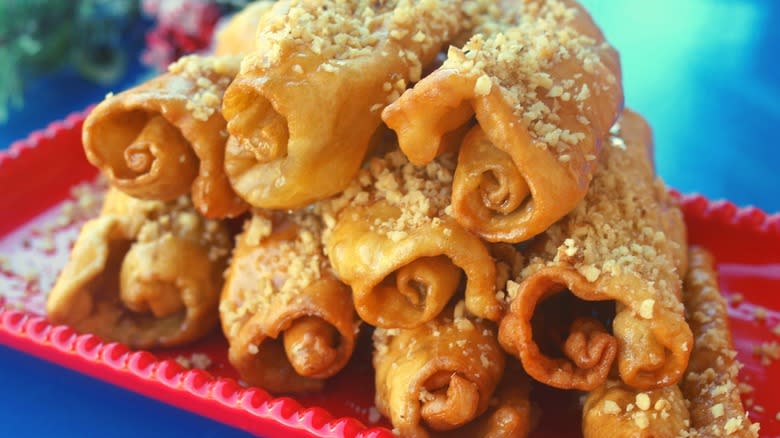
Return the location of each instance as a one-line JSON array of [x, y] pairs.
[[704, 72]]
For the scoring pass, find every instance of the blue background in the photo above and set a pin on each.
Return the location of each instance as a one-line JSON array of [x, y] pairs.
[[704, 72]]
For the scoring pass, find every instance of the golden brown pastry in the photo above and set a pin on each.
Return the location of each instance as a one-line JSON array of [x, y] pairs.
[[144, 273], [309, 98], [573, 340], [509, 413], [290, 323], [710, 383], [393, 242], [545, 89], [613, 247], [438, 376], [166, 137], [237, 37], [616, 410]]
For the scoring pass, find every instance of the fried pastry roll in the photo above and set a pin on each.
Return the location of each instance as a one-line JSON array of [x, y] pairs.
[[438, 376], [509, 414], [710, 383], [403, 256], [572, 338], [290, 323], [166, 137], [616, 410], [509, 411], [545, 91], [148, 279], [308, 99], [237, 37], [613, 247]]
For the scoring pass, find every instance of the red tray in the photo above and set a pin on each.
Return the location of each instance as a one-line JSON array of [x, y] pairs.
[[40, 172]]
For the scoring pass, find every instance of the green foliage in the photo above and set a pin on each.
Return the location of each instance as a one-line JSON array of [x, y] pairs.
[[39, 36]]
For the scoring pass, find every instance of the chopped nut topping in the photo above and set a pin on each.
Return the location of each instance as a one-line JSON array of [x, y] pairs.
[[641, 420], [209, 77], [610, 407], [483, 85], [732, 425], [643, 401], [646, 308]]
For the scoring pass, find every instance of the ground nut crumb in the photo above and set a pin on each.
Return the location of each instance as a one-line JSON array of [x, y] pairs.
[[641, 420], [643, 401], [483, 85], [373, 415], [464, 324], [662, 405], [610, 407], [184, 362], [732, 425], [200, 361], [512, 288], [195, 361], [646, 308], [590, 272]]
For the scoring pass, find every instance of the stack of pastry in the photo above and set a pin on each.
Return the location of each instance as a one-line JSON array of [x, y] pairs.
[[459, 176]]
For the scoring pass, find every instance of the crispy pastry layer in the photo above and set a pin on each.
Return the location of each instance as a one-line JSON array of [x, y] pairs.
[[438, 376], [290, 323], [615, 246], [166, 137], [309, 98], [617, 410], [392, 241], [144, 273], [545, 88]]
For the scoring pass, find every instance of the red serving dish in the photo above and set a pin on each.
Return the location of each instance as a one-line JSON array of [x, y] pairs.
[[37, 175]]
